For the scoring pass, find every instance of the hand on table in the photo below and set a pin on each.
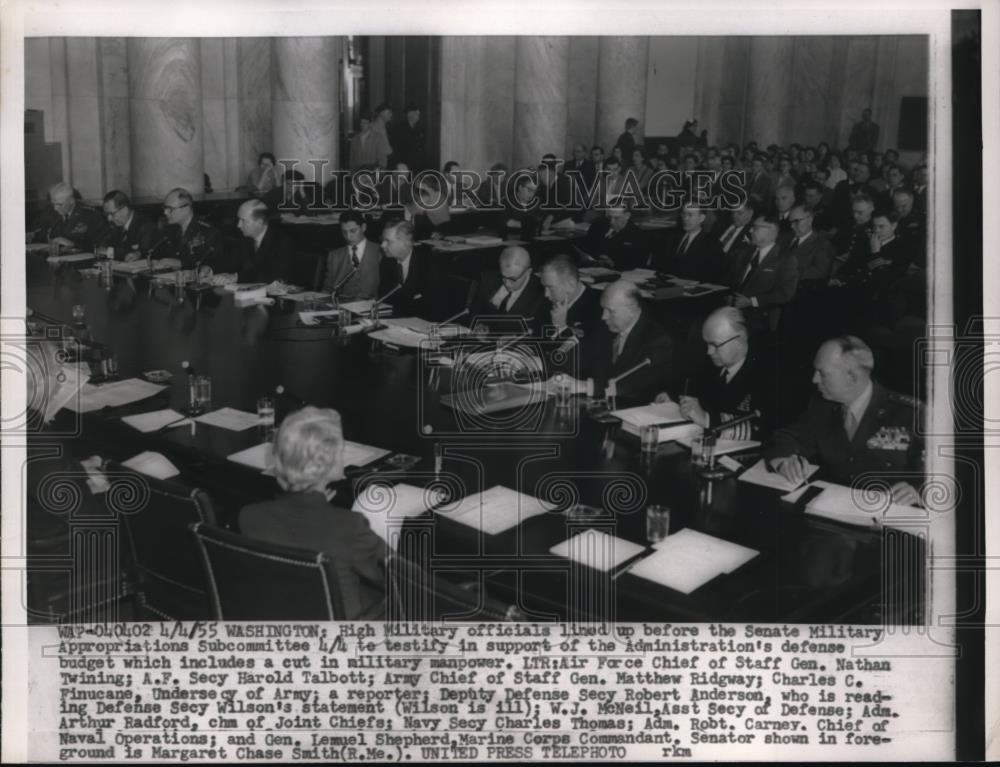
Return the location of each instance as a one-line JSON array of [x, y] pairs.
[[791, 467], [905, 494]]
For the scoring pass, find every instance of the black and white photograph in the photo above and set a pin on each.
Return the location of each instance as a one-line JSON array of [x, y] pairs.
[[501, 383]]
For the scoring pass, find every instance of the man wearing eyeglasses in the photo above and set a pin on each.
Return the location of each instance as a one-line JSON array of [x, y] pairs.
[[69, 223], [765, 277], [732, 384], [511, 300], [131, 235], [195, 242], [813, 250]]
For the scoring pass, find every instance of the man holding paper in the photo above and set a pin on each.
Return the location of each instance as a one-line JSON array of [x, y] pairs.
[[856, 429]]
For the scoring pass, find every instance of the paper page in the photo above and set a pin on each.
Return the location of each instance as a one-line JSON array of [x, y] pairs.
[[308, 295], [70, 258], [597, 550], [725, 555], [659, 413], [157, 419], [724, 446], [758, 474], [383, 504], [495, 510], [638, 275], [676, 569], [152, 464], [67, 391], [364, 306], [859, 506], [113, 394], [399, 337], [230, 418], [356, 454], [313, 318], [259, 457]]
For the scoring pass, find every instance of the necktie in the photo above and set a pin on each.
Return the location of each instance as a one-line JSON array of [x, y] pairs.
[[505, 303], [729, 236], [724, 376], [402, 274], [752, 266], [682, 249], [795, 244], [354, 256], [850, 423]]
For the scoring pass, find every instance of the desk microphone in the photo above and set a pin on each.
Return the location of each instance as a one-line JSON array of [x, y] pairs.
[[149, 253], [339, 285], [295, 399], [452, 319], [717, 430], [378, 302], [630, 371]]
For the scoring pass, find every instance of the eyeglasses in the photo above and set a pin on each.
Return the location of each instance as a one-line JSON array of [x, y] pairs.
[[716, 347], [172, 208], [797, 220]]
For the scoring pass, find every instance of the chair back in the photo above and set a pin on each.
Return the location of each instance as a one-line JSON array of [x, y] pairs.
[[169, 581], [252, 580]]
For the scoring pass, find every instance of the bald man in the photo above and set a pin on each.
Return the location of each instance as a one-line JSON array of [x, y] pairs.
[[733, 383], [412, 270], [265, 252], [69, 223], [858, 431], [631, 337], [511, 298]]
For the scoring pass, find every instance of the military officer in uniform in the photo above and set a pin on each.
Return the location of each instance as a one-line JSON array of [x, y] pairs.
[[856, 430], [70, 224], [195, 242], [131, 235]]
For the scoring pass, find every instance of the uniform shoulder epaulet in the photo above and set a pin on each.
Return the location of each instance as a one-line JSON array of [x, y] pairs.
[[904, 399]]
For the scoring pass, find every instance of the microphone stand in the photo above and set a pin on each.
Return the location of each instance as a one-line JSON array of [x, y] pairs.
[[611, 391]]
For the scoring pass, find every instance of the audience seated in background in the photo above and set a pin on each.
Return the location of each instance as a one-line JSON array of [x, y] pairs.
[[308, 458], [264, 177]]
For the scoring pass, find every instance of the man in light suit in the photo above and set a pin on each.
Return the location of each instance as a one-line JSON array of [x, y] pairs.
[[353, 270], [765, 277]]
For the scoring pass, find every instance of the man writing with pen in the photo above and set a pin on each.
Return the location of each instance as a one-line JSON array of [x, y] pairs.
[[856, 430], [732, 384]]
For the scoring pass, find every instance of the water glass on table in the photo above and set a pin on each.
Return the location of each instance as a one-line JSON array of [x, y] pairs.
[[649, 437], [657, 522], [265, 416], [200, 394], [703, 451]]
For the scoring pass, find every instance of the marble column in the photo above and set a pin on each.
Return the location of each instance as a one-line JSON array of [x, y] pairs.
[[621, 87], [83, 101], [810, 110], [166, 115], [541, 86], [305, 103], [116, 128], [581, 104], [254, 108], [769, 90]]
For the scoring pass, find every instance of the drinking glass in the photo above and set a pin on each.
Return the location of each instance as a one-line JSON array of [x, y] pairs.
[[649, 437], [657, 522], [201, 394], [265, 411], [702, 451]]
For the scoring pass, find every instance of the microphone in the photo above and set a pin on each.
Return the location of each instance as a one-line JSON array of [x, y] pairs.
[[339, 285], [630, 371], [378, 301], [717, 430], [295, 399], [452, 319]]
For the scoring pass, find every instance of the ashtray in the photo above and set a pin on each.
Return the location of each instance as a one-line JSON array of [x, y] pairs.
[[401, 461], [582, 511], [157, 376]]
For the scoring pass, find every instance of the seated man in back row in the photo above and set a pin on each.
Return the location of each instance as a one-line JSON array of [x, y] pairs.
[[856, 429], [633, 349]]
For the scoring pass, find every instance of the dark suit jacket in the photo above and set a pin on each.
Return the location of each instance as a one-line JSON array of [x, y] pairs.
[[529, 309], [741, 240], [84, 228], [364, 283], [201, 243], [140, 236], [774, 280], [420, 290], [308, 521], [748, 390], [886, 439], [647, 339], [629, 248], [702, 260], [815, 258], [272, 261], [580, 336]]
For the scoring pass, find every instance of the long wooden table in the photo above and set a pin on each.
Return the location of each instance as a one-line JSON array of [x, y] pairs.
[[807, 570]]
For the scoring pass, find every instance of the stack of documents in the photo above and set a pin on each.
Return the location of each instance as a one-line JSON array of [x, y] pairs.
[[364, 307], [112, 394], [862, 507], [230, 418], [598, 550], [156, 420], [495, 510], [667, 415], [688, 560], [69, 258]]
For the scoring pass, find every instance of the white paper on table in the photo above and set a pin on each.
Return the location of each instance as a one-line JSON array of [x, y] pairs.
[[260, 457], [598, 550], [113, 394], [420, 325], [399, 336], [357, 454], [860, 506], [673, 426], [307, 295], [364, 306], [675, 569], [758, 474], [152, 464], [495, 510], [70, 258], [484, 240], [724, 446], [70, 388], [638, 275], [157, 419], [230, 418], [725, 555], [384, 503]]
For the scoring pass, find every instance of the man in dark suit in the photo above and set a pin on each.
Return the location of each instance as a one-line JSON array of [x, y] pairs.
[[736, 235], [694, 254], [409, 141], [912, 224], [353, 270], [813, 250], [765, 277], [733, 384], [131, 234], [856, 429], [194, 242], [758, 182], [630, 338], [412, 270], [511, 300], [814, 198], [574, 313], [626, 141], [615, 241], [309, 456], [265, 253]]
